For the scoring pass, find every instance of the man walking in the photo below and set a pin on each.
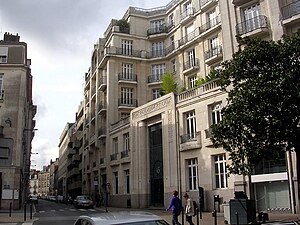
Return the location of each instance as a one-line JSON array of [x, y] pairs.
[[189, 209], [176, 206]]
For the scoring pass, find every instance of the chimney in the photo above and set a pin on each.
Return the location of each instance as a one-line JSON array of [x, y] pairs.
[[11, 38]]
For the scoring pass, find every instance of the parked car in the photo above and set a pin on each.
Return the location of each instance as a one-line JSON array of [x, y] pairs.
[[83, 201], [33, 199], [125, 218]]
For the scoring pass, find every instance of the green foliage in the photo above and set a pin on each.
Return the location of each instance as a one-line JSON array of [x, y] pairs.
[[169, 84], [122, 23], [261, 119]]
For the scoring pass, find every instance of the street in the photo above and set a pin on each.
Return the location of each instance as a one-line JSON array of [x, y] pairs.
[[47, 212]]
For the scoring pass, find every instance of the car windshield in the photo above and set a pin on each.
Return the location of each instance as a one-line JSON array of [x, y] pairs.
[[84, 198], [155, 222]]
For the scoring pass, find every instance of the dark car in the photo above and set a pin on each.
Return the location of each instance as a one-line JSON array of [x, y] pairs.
[[83, 201]]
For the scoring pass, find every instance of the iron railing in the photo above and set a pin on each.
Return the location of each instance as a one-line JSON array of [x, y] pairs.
[[127, 76], [291, 9], [255, 23]]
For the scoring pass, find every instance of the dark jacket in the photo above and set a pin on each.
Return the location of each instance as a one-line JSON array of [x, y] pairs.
[[176, 205]]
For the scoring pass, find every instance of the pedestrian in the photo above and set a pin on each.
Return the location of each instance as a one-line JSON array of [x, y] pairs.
[[176, 206], [189, 209]]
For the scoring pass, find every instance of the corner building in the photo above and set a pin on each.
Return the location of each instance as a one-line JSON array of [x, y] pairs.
[[138, 146]]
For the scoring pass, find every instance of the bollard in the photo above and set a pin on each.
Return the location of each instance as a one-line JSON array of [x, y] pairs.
[[10, 208], [182, 217], [237, 218], [197, 216], [214, 214], [24, 211], [31, 211]]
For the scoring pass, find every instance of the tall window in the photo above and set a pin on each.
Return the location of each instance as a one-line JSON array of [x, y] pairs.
[[216, 116], [220, 171], [126, 143], [157, 71], [190, 32], [191, 56], [171, 20], [3, 54], [1, 85], [173, 65], [155, 93], [191, 124], [127, 71], [193, 173], [127, 96], [126, 47], [116, 183], [192, 81], [156, 25], [211, 18], [127, 182], [158, 49], [250, 15], [115, 145], [187, 8]]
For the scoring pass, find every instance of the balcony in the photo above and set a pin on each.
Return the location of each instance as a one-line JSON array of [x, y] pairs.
[[125, 52], [213, 55], [127, 102], [198, 91], [158, 31], [76, 158], [120, 123], [127, 77], [211, 26], [291, 12], [102, 133], [114, 156], [187, 15], [253, 27], [71, 152], [191, 66], [156, 54], [154, 78], [102, 161], [207, 4], [102, 106], [102, 83], [190, 141], [124, 154], [270, 166], [239, 2]]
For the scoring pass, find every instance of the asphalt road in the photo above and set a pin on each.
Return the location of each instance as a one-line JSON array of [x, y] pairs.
[[50, 213]]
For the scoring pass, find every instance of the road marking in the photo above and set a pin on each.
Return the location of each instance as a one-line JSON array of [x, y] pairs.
[[83, 210], [53, 210], [93, 210], [42, 211], [73, 210], [61, 210]]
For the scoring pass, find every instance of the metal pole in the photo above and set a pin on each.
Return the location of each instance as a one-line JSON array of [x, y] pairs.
[[182, 217], [214, 214], [24, 211], [10, 208], [197, 216], [31, 211], [237, 218], [106, 200]]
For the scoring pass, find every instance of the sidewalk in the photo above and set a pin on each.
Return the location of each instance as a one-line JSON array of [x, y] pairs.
[[17, 216]]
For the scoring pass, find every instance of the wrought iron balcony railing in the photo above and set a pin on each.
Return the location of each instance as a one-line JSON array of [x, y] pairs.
[[291, 9], [190, 64], [157, 30], [129, 102], [124, 153], [154, 78], [213, 52], [127, 76], [251, 25], [114, 156], [187, 12]]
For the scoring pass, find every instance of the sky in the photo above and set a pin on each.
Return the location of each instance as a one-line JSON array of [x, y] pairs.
[[60, 35]]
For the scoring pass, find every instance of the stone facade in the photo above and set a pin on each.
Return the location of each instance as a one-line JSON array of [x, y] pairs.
[[16, 120], [137, 147]]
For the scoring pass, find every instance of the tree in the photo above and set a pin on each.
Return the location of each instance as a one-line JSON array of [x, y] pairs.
[[261, 118], [169, 84]]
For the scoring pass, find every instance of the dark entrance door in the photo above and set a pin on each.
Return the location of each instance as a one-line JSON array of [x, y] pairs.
[[156, 165]]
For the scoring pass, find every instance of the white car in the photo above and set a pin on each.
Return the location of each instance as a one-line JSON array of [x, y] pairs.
[[125, 218]]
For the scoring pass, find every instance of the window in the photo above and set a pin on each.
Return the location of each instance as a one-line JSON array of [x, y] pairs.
[[126, 143], [1, 86], [157, 71], [126, 47], [158, 49], [192, 81], [187, 8], [127, 182], [220, 171], [192, 58], [211, 18], [250, 16], [173, 65], [127, 71], [190, 32], [3, 54], [115, 145], [216, 116], [191, 124], [156, 25], [213, 45], [116, 183], [127, 96], [171, 20], [155, 93], [4, 156], [193, 173]]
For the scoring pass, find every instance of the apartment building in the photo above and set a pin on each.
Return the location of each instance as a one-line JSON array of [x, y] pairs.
[[44, 181], [17, 125], [138, 146]]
